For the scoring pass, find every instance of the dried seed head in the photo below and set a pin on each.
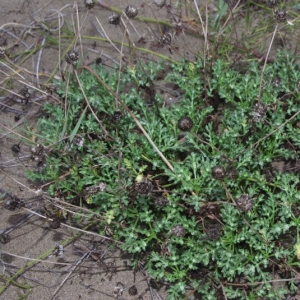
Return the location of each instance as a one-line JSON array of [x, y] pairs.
[[185, 123], [78, 141], [55, 223], [213, 231], [298, 86], [143, 187], [13, 203], [99, 61], [277, 81], [116, 117], [165, 39], [89, 4], [231, 172], [4, 238], [160, 3], [72, 57], [37, 151], [161, 201], [25, 93], [273, 3], [131, 11], [15, 149], [114, 19], [280, 15], [2, 52], [178, 230], [132, 291], [244, 202], [259, 112], [41, 164], [218, 172]]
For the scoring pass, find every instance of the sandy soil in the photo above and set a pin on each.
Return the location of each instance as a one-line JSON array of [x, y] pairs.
[[89, 267]]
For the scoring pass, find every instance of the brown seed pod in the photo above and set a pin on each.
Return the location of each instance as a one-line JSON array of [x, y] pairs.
[[280, 15], [114, 19], [144, 187], [178, 230], [165, 39], [131, 11], [218, 172], [185, 123], [244, 203], [72, 57], [89, 4]]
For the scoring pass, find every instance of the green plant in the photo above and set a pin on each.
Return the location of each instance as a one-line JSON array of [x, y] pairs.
[[115, 171]]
